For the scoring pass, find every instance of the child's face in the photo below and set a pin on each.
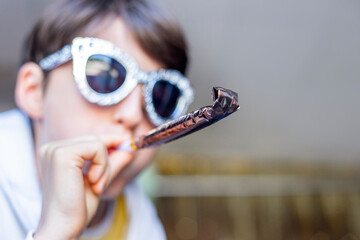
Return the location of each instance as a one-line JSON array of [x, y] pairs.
[[66, 114]]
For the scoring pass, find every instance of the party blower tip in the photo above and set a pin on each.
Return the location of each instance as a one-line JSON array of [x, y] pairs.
[[225, 103]]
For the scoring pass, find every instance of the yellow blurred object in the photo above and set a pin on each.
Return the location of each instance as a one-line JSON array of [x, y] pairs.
[[119, 225]]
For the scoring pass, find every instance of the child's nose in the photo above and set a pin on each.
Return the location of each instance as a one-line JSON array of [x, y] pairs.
[[129, 111]]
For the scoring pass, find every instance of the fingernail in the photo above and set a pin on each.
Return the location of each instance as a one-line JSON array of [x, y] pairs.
[[95, 173]]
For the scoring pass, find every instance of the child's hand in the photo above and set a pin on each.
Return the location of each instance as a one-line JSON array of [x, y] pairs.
[[70, 198]]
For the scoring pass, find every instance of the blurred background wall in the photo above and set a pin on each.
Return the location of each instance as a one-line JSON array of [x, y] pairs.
[[295, 65]]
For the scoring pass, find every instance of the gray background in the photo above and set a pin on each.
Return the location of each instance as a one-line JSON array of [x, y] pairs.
[[295, 65]]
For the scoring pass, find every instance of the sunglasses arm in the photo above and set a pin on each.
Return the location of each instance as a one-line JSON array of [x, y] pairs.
[[56, 59]]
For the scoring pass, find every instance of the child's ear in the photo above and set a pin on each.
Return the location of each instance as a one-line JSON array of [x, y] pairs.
[[29, 90]]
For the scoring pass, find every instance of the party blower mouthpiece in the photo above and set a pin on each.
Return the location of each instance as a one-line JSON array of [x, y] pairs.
[[225, 103]]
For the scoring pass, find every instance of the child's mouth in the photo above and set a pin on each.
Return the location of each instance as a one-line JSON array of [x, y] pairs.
[[111, 150]]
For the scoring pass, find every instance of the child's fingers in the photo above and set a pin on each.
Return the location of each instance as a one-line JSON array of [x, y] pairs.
[[117, 162], [91, 149], [98, 186], [96, 177], [95, 150], [76, 151]]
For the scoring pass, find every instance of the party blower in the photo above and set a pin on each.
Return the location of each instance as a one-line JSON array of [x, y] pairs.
[[225, 103]]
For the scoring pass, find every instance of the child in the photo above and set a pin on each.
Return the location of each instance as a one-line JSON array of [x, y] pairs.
[[85, 87]]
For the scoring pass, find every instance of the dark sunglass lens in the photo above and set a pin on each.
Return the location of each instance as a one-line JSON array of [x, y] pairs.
[[165, 98], [104, 74]]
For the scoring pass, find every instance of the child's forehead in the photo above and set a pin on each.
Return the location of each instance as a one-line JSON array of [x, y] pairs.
[[117, 32]]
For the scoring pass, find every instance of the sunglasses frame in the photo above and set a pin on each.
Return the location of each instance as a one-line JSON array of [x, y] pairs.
[[82, 48]]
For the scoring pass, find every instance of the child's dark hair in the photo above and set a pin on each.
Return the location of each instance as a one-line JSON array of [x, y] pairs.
[[155, 30]]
